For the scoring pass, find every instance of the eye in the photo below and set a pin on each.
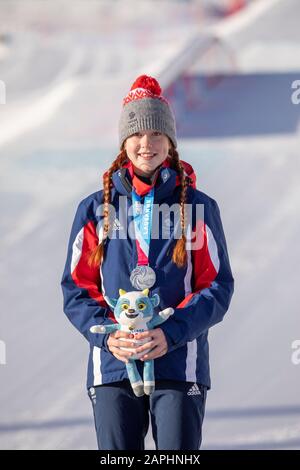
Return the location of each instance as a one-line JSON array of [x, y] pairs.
[[125, 306], [156, 133], [141, 306]]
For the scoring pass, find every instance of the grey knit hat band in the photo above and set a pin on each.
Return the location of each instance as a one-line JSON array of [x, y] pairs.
[[146, 114]]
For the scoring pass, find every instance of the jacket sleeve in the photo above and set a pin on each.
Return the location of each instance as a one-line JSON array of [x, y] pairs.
[[84, 303], [212, 284]]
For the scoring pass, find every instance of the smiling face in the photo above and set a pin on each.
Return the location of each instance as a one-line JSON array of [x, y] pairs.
[[147, 150], [132, 308]]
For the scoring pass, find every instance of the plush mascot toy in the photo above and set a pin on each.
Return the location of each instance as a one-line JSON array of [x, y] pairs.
[[134, 312]]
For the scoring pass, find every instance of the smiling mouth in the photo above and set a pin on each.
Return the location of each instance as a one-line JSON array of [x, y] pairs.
[[131, 316], [147, 156]]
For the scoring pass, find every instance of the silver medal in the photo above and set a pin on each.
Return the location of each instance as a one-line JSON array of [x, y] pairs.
[[142, 277]]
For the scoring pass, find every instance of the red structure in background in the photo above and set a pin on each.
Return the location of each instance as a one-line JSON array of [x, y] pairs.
[[234, 6]]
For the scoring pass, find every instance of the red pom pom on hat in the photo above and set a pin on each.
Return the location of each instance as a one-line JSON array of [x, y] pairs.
[[148, 83]]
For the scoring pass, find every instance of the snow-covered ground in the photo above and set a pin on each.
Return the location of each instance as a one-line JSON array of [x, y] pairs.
[[65, 75]]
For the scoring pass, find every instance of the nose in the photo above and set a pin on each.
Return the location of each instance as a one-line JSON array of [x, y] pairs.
[[145, 141], [131, 310]]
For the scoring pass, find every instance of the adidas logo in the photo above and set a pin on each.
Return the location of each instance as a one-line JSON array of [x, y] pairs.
[[194, 390]]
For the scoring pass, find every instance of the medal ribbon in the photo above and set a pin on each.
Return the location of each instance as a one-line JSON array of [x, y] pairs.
[[142, 218]]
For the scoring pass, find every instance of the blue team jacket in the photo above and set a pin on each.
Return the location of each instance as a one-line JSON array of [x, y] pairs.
[[200, 293]]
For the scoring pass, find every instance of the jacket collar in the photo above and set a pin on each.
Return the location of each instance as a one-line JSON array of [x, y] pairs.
[[165, 180]]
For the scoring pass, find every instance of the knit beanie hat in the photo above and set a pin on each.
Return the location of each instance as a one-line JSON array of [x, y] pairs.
[[144, 108]]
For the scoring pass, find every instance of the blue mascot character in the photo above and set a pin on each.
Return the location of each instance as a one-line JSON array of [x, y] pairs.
[[134, 312]]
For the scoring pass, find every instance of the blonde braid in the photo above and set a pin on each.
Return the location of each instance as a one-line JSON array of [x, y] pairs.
[[179, 256], [97, 255]]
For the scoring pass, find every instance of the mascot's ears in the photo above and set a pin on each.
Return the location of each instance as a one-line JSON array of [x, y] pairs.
[[155, 300], [145, 292]]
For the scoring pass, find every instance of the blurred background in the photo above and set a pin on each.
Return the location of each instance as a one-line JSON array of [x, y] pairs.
[[228, 68]]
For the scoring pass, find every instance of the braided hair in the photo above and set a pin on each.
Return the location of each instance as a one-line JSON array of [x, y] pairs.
[[179, 256]]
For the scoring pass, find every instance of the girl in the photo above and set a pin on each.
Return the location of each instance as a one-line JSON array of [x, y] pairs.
[[178, 251]]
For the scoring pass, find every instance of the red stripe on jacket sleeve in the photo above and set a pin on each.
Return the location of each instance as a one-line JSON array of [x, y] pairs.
[[204, 272], [85, 276]]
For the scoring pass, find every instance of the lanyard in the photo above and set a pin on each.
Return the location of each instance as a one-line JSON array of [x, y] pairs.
[[142, 218]]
